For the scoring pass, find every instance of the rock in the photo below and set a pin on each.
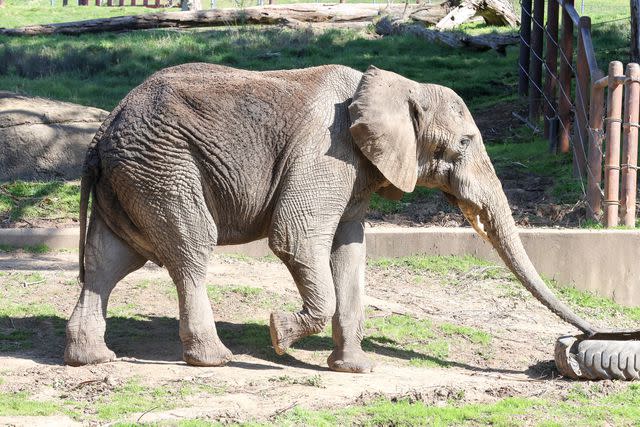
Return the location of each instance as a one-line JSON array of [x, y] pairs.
[[44, 139]]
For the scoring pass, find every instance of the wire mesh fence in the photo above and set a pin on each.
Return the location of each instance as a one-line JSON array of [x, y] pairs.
[[571, 102]]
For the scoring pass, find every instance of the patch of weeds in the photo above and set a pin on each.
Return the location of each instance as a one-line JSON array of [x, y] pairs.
[[20, 404], [133, 397], [70, 282], [189, 388], [594, 305], [311, 381], [269, 258], [290, 306], [474, 335], [245, 291], [215, 293], [404, 412], [251, 334], [439, 265], [17, 339], [414, 339], [129, 311], [35, 249]]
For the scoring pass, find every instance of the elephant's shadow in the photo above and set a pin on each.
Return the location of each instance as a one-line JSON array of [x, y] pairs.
[[151, 339]]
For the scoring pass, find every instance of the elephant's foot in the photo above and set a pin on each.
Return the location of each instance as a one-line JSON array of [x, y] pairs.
[[87, 353], [209, 352], [287, 328], [354, 360]]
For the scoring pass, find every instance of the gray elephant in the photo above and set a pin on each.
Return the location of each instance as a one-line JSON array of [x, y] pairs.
[[202, 155]]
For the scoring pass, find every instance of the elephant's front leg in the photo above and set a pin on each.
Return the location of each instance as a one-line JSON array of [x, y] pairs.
[[347, 266], [309, 266]]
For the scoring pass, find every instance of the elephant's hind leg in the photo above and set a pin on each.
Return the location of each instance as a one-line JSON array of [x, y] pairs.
[[108, 260], [183, 233]]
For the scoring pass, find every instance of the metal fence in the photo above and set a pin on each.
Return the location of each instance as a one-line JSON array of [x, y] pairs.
[[572, 104], [144, 3]]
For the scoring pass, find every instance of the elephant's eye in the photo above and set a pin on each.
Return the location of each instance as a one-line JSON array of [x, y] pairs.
[[465, 141]]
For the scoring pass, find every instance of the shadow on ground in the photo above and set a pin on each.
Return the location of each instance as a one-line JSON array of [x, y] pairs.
[[41, 338]]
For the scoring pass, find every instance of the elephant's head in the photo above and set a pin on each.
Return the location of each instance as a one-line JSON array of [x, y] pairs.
[[423, 134]]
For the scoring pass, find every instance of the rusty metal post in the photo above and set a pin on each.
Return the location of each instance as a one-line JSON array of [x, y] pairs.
[[551, 61], [596, 135], [612, 159], [525, 43], [581, 103], [566, 58], [535, 67], [630, 146]]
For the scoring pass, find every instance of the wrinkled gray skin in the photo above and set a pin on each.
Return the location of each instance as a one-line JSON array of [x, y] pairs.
[[201, 154]]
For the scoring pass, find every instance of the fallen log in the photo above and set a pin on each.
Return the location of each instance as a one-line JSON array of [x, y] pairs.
[[291, 14], [263, 15], [494, 12], [498, 42]]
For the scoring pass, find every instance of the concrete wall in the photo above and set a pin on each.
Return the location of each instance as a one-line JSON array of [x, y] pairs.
[[602, 261]]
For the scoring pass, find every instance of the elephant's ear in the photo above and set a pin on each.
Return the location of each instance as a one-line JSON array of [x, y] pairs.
[[385, 121]]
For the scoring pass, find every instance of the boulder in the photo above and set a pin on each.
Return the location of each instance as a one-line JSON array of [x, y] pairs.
[[43, 139]]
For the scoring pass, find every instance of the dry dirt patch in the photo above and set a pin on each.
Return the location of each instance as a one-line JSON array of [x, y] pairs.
[[461, 336]]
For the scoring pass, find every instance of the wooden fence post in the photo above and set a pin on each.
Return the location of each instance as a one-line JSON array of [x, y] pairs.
[[596, 135], [525, 41], [551, 61], [566, 58], [581, 103], [535, 68], [630, 146], [612, 159]]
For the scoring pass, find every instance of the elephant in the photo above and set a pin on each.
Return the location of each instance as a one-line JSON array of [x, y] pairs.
[[201, 155]]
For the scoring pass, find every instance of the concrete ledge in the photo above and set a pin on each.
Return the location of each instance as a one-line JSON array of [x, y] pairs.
[[602, 261]]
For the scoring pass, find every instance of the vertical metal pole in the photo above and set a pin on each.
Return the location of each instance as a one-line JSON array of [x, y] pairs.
[[596, 135], [535, 69], [630, 146], [525, 42], [551, 60], [566, 59], [612, 159], [581, 103], [635, 30]]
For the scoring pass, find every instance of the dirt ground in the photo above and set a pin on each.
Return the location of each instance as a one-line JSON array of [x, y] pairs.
[[39, 292]]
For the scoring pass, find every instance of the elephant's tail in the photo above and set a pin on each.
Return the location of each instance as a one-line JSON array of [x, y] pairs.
[[87, 184]]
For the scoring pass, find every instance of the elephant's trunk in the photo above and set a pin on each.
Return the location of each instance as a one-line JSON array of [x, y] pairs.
[[500, 229]]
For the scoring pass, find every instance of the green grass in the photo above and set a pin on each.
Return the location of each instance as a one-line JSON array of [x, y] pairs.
[[422, 342], [435, 264], [594, 305], [34, 249], [621, 408], [20, 200], [20, 404], [534, 157]]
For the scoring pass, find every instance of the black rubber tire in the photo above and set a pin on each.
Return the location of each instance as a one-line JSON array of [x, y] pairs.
[[594, 359]]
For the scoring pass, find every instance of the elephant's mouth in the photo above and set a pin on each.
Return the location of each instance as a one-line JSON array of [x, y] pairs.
[[472, 213]]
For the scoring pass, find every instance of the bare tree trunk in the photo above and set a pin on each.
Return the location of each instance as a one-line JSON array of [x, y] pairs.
[[191, 5], [494, 12], [635, 34]]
